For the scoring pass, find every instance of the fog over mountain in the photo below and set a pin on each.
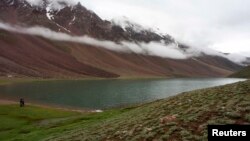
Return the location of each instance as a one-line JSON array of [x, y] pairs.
[[69, 40], [153, 48], [199, 45], [221, 25]]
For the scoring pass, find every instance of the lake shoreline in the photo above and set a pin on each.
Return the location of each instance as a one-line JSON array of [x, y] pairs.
[[8, 101], [180, 117], [105, 97], [7, 80]]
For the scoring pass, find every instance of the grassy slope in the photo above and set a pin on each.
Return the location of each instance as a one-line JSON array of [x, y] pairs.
[[245, 73], [17, 122], [193, 110], [36, 123]]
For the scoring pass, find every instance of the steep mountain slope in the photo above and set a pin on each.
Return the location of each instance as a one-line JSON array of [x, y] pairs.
[[39, 57], [75, 20], [29, 55], [244, 73]]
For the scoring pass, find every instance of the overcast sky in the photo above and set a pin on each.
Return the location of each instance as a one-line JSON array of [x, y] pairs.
[[223, 25]]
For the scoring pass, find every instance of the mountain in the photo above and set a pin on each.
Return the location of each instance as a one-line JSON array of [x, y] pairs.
[[246, 62], [244, 73], [36, 56], [74, 20]]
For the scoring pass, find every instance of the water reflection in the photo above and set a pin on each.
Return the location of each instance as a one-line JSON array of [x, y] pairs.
[[106, 93]]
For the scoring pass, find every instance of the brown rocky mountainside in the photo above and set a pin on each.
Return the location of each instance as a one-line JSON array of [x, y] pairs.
[[27, 55], [33, 56]]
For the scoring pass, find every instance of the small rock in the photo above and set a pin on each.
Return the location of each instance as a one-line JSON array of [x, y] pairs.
[[148, 129], [167, 119]]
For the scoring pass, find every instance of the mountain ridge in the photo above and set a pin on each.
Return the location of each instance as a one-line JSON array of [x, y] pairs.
[[49, 59], [74, 20]]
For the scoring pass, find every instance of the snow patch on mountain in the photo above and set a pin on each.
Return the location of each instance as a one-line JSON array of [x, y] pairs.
[[62, 28], [48, 14], [73, 20], [11, 2]]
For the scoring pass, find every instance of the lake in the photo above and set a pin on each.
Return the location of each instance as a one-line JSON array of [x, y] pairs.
[[102, 94]]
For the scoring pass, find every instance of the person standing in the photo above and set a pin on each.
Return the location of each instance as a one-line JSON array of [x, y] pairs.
[[21, 102]]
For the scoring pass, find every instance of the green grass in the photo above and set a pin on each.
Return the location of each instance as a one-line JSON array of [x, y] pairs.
[[33, 123], [193, 110], [244, 73], [28, 123], [3, 82]]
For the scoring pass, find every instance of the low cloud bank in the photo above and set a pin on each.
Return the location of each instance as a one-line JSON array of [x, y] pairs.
[[153, 48]]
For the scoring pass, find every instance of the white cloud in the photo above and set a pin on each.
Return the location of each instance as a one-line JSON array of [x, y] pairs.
[[205, 23], [222, 25], [153, 48]]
